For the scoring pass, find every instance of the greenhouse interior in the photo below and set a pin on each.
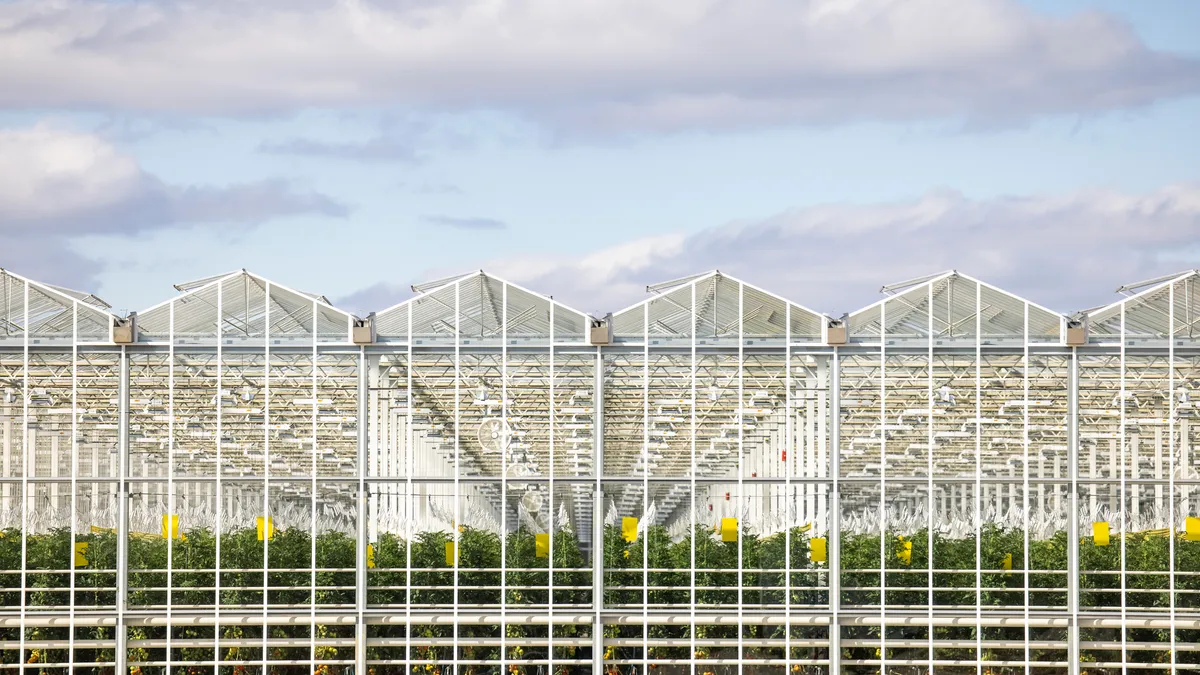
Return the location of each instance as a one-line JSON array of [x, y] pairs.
[[715, 481]]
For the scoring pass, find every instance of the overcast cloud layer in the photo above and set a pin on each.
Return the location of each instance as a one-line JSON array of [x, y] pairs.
[[591, 64], [1067, 252]]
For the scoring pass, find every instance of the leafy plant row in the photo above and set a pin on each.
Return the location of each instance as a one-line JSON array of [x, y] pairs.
[[751, 571]]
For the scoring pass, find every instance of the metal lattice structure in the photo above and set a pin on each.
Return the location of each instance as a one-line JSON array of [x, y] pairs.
[[716, 480]]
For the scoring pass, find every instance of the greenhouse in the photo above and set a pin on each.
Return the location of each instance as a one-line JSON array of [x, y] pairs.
[[481, 480]]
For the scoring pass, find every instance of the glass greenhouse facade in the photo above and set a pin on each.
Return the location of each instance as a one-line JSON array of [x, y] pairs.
[[245, 479]]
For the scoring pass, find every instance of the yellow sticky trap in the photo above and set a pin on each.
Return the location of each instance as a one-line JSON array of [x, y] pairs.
[[1007, 563], [729, 529], [629, 529], [266, 527], [541, 545], [81, 549], [170, 526], [1100, 533], [451, 553], [817, 549], [904, 551], [1191, 529], [370, 556]]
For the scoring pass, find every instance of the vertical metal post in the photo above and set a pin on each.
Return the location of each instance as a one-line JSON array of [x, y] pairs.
[[1121, 507], [1073, 513], [313, 531], [171, 500], [978, 483], [504, 429], [458, 462], [217, 470], [834, 537], [266, 464], [360, 555], [409, 460], [883, 488], [644, 524], [1172, 397], [551, 520], [692, 595], [1025, 480], [75, 485], [598, 516], [929, 446], [122, 513], [25, 497], [740, 512]]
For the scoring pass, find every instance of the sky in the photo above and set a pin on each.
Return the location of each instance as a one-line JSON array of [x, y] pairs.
[[815, 148]]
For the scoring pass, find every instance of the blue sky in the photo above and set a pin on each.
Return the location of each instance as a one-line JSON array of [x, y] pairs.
[[817, 148]]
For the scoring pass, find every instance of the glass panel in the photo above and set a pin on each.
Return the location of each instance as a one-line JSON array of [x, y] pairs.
[[12, 416], [332, 325], [291, 317], [670, 317], [625, 410], [337, 415], [574, 414], [764, 316], [12, 308], [51, 316], [862, 401], [242, 440], [391, 515], [243, 307]]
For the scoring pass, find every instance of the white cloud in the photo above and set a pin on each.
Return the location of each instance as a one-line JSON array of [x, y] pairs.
[[1064, 251], [57, 184], [48, 173], [598, 64]]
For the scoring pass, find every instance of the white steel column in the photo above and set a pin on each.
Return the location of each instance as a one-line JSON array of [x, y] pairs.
[[458, 457], [312, 499], [74, 464], [1158, 449], [551, 520], [644, 526], [834, 536], [929, 446], [741, 425], [504, 430], [25, 464], [1073, 514], [1025, 476], [361, 540], [598, 516], [692, 594], [882, 489], [265, 507], [409, 499], [171, 509], [122, 513], [220, 504], [1119, 513], [978, 483], [790, 500]]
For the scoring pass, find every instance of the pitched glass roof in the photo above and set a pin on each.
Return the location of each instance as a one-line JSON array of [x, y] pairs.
[[478, 308], [714, 307], [952, 305], [1158, 308], [244, 306], [50, 313]]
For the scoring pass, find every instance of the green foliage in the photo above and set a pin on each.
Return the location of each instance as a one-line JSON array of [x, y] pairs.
[[754, 572]]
